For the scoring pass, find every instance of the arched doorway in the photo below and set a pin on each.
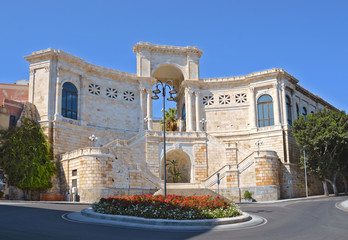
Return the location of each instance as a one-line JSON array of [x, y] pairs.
[[178, 169]]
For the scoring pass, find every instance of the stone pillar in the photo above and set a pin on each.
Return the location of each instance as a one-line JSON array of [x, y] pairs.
[[188, 98], [142, 92], [149, 109], [276, 104], [252, 108], [59, 95], [285, 113], [198, 111], [231, 153]]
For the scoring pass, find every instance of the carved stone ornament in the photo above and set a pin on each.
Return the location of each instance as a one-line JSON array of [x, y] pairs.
[[177, 146], [142, 89], [47, 68]]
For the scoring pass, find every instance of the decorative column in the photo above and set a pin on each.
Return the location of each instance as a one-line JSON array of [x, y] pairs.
[[149, 109], [59, 94], [252, 108], [188, 98], [80, 99], [276, 104], [285, 113], [198, 111], [142, 92]]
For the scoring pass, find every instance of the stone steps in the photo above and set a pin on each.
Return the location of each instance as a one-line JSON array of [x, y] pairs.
[[190, 192]]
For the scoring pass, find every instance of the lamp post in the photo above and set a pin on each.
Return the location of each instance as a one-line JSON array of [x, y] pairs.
[[258, 144], [146, 120], [93, 138], [203, 121], [168, 84], [305, 169]]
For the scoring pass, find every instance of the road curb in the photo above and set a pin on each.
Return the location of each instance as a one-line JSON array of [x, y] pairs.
[[242, 222], [343, 205], [165, 222]]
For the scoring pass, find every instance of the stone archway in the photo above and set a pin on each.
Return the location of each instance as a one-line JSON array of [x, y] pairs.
[[183, 165], [166, 72], [171, 72]]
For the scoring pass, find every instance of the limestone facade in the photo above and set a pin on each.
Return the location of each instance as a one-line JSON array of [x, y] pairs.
[[221, 120]]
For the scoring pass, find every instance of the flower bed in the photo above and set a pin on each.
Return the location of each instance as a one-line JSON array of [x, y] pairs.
[[172, 207]]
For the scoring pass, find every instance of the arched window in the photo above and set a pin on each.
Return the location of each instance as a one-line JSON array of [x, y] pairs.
[[304, 112], [69, 101], [288, 110], [297, 110], [265, 111]]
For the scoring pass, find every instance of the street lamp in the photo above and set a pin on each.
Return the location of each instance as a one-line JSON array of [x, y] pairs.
[[172, 91], [258, 144], [203, 121], [93, 138], [305, 169], [147, 119]]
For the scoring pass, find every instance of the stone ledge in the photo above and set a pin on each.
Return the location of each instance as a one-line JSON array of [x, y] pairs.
[[166, 222]]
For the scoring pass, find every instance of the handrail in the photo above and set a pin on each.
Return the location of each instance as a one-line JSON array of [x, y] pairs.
[[205, 180], [246, 158]]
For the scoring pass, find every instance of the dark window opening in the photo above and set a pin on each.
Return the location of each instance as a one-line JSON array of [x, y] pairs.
[[297, 110], [74, 183], [288, 110], [74, 173], [13, 121], [304, 113], [69, 101]]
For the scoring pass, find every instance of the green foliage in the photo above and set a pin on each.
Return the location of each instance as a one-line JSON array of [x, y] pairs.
[[25, 157], [324, 137], [1, 194], [247, 195], [171, 117], [174, 171]]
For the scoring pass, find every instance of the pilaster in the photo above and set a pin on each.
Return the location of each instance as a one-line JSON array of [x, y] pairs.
[[252, 108], [276, 104], [149, 109]]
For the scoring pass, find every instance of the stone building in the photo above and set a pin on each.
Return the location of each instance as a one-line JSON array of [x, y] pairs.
[[239, 127]]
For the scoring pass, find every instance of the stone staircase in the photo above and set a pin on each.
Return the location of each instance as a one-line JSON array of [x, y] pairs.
[[188, 189]]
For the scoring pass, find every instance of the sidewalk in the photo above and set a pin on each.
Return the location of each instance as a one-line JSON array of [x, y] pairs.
[[343, 205], [293, 199]]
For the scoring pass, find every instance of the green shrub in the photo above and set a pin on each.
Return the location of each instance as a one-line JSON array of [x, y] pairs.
[[247, 195]]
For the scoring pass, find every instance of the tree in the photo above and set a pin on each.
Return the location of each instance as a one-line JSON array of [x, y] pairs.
[[171, 117], [324, 137], [174, 171], [25, 157]]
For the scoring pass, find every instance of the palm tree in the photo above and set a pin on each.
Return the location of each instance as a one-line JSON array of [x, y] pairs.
[[174, 171], [171, 119]]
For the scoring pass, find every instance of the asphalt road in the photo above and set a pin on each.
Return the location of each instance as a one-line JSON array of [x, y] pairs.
[[304, 220]]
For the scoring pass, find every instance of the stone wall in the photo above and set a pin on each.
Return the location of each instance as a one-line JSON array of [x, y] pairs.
[[97, 173]]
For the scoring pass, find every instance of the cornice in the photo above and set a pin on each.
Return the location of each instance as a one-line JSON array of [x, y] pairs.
[[314, 97], [68, 62], [155, 48]]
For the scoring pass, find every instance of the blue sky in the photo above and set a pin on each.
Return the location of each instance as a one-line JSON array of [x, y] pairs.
[[309, 39]]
